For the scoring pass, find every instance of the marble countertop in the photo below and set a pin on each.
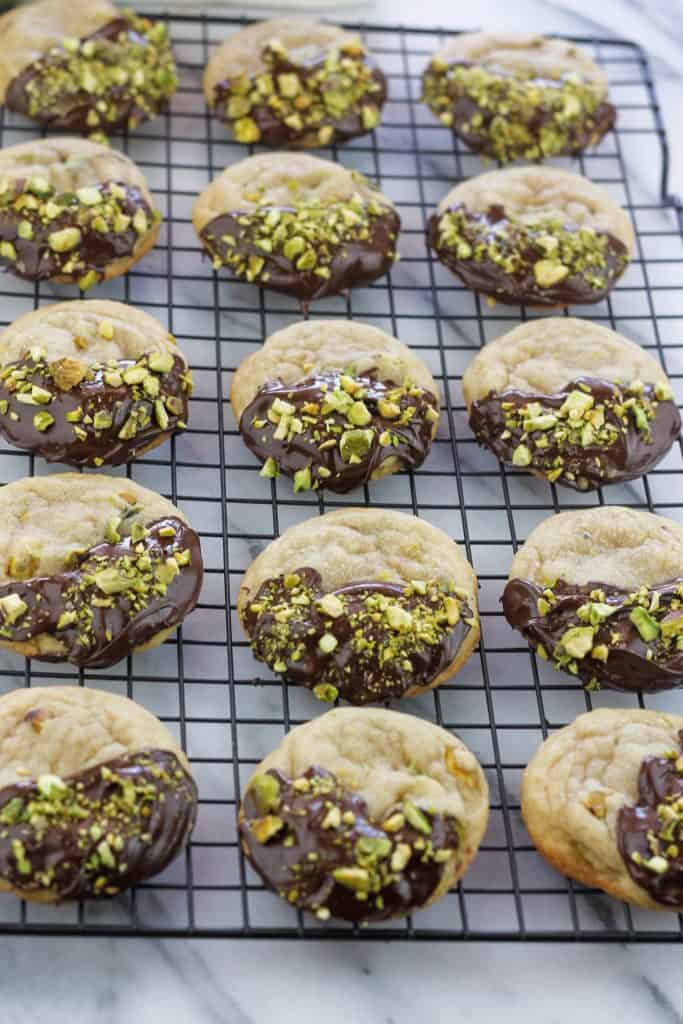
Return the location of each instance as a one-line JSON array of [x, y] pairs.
[[50, 981]]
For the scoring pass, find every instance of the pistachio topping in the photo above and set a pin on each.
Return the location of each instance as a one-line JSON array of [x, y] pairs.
[[605, 635], [331, 98], [336, 430], [319, 849], [517, 114], [99, 831], [118, 77], [366, 641]]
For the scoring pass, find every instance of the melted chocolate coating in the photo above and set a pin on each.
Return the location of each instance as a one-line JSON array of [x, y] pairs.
[[37, 261], [272, 129], [414, 439], [360, 675], [61, 441], [487, 276], [134, 815], [660, 782], [631, 455], [108, 624], [69, 111], [627, 667], [303, 872], [354, 264]]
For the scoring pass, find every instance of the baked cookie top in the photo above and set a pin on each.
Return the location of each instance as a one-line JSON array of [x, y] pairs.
[[541, 235], [572, 402], [335, 403], [90, 382], [297, 224], [512, 95], [92, 567], [600, 592], [84, 66], [72, 210], [413, 790], [596, 791], [364, 603], [95, 793], [294, 82]]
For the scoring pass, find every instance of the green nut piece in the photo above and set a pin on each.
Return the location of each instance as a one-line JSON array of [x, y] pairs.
[[43, 420], [160, 362], [521, 456], [354, 444], [64, 240], [246, 130], [270, 468], [326, 692], [578, 641], [415, 817], [672, 625], [645, 624], [327, 643], [51, 786], [331, 605], [359, 414], [549, 272], [265, 790], [12, 608], [102, 420], [302, 479]]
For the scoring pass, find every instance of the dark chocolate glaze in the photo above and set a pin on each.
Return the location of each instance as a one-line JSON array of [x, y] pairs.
[[129, 620], [484, 275], [303, 871], [414, 438], [273, 130], [660, 782], [36, 261], [627, 667], [59, 852], [69, 111], [354, 264], [359, 679], [631, 455], [61, 443]]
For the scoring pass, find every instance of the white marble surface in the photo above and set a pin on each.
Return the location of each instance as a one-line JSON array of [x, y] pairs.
[[50, 981]]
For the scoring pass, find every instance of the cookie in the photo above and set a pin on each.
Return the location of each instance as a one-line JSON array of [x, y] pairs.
[[294, 82], [363, 603], [536, 235], [92, 568], [602, 802], [297, 224], [334, 404], [364, 815], [91, 383], [572, 402], [599, 593], [510, 95], [84, 66], [72, 211], [95, 794]]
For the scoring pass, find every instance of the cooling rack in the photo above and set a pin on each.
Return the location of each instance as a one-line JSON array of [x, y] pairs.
[[204, 684]]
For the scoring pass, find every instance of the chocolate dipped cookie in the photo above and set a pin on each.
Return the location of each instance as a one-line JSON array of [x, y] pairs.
[[91, 383], [515, 95], [335, 404], [293, 82], [599, 594], [84, 66], [95, 794], [362, 603], [72, 211], [571, 402], [92, 568], [297, 224], [364, 815], [540, 236], [603, 802]]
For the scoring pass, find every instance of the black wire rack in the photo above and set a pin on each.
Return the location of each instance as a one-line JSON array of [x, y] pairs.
[[205, 684]]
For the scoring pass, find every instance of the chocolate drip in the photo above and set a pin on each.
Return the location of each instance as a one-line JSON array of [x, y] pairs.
[[494, 232], [119, 595], [111, 423], [99, 831], [353, 264], [322, 443], [314, 842], [650, 832], [349, 642], [630, 442], [265, 122], [616, 654], [52, 90], [32, 254]]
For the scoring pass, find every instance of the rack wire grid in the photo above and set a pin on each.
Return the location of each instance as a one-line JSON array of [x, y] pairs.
[[205, 684]]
